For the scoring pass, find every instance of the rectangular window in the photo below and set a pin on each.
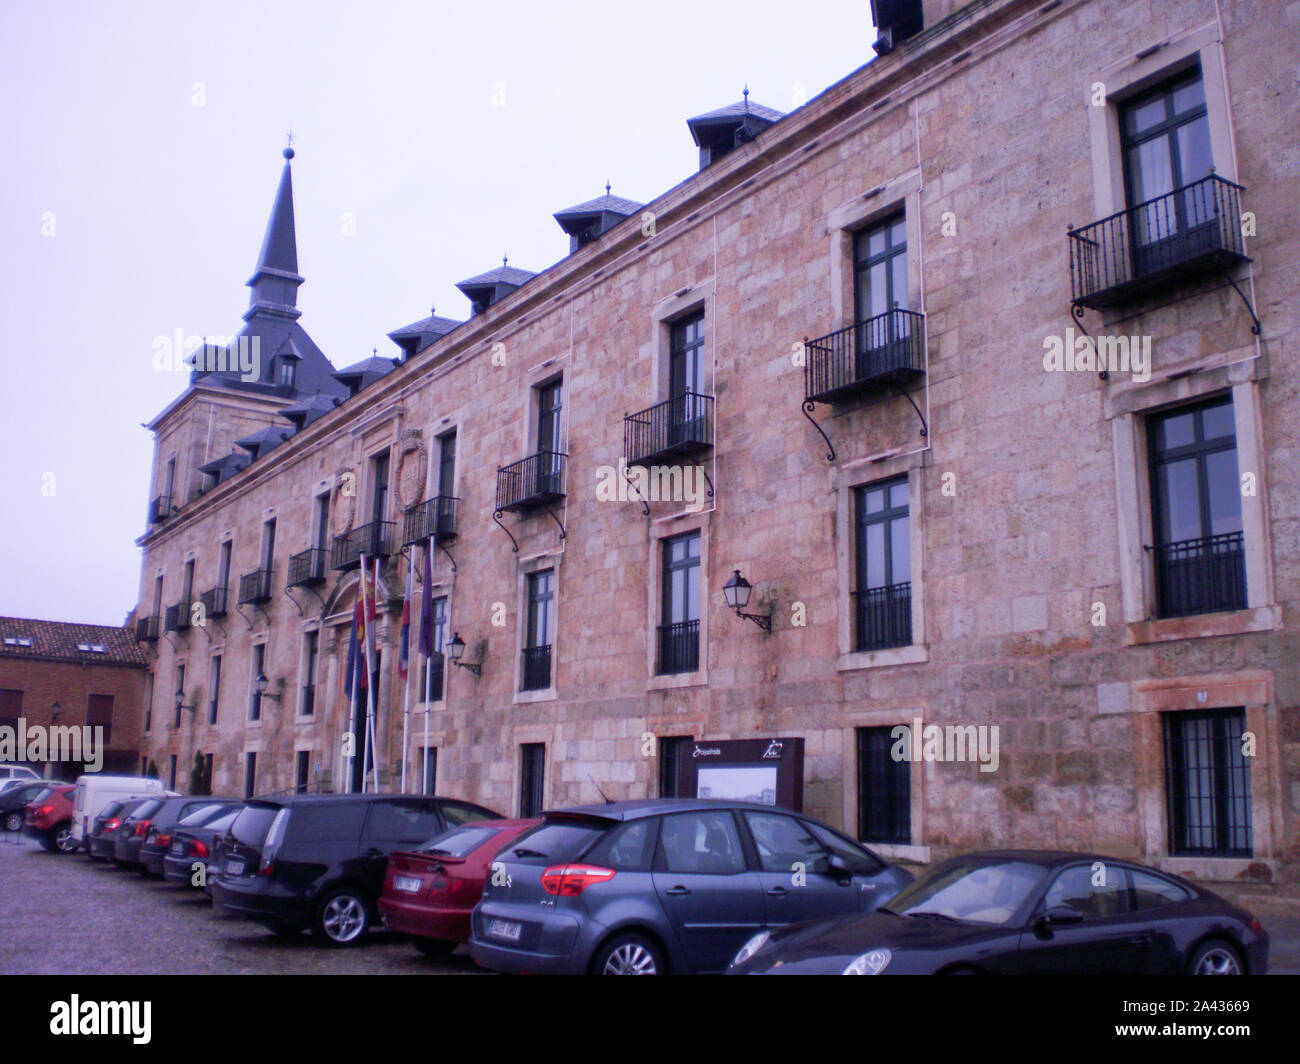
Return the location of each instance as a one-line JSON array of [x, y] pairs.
[[11, 708], [148, 701], [310, 649], [1199, 551], [250, 775], [550, 399], [322, 521], [169, 488], [179, 696], [223, 567], [258, 669], [882, 594], [688, 408], [187, 587], [171, 773], [99, 714], [428, 782], [540, 631], [379, 490], [433, 670], [679, 627], [214, 685], [1207, 784], [880, 291], [884, 789], [673, 752], [157, 596], [268, 546], [302, 771], [447, 464], [532, 768]]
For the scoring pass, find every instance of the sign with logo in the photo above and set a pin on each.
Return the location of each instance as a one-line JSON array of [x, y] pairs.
[[767, 771]]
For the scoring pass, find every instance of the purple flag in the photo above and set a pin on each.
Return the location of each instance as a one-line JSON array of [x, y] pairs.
[[426, 605]]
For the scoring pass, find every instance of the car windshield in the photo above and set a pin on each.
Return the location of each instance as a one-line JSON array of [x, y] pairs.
[[200, 815], [458, 842], [252, 824], [555, 840], [46, 793], [975, 892]]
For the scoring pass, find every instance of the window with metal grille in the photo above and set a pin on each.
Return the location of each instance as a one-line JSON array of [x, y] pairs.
[[180, 690], [1200, 551], [540, 631], [1207, 784], [673, 752], [882, 596], [884, 789], [531, 777], [679, 627]]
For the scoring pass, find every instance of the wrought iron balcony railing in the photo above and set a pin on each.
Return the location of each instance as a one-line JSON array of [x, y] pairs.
[[255, 587], [148, 628], [537, 668], [681, 425], [177, 618], [215, 601], [160, 509], [865, 356], [679, 647], [1192, 230], [307, 568], [373, 540], [532, 482], [883, 617], [436, 518], [1205, 575]]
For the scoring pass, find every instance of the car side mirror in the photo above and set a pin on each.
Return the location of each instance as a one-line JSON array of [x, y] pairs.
[[838, 867], [1061, 916]]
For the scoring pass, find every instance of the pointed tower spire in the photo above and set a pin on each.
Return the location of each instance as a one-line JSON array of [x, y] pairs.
[[276, 279]]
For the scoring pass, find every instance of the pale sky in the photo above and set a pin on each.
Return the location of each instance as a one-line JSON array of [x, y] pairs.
[[140, 149]]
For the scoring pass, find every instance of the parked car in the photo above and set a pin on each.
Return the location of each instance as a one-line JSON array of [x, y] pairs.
[[11, 771], [14, 801], [1029, 913], [318, 860], [177, 814], [48, 818], [667, 885], [429, 893], [130, 839], [197, 844], [95, 790], [105, 828]]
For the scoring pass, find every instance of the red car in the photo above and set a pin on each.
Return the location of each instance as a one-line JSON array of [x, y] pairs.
[[430, 893], [49, 819]]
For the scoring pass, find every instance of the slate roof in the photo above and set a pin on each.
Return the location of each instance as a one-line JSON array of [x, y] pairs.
[[57, 641], [599, 205], [414, 338], [225, 468], [501, 275], [737, 110], [362, 374], [305, 411], [268, 439]]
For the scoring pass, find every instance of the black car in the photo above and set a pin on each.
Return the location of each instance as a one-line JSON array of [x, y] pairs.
[[1027, 913], [669, 885], [151, 819], [14, 801], [318, 861], [197, 845], [104, 828]]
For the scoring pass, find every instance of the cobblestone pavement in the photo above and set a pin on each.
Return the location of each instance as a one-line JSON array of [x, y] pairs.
[[69, 915]]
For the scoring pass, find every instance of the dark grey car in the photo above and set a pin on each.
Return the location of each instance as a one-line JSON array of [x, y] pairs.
[[669, 885]]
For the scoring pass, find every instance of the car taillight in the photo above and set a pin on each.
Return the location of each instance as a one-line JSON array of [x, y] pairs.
[[197, 849], [142, 828], [44, 810], [571, 880], [1256, 926], [112, 824], [267, 869], [162, 840]]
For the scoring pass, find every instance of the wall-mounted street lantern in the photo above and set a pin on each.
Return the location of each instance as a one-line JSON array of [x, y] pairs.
[[736, 592], [456, 649], [263, 683], [179, 700]]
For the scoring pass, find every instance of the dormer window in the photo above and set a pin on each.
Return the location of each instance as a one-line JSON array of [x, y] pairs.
[[17, 641], [286, 372], [91, 648]]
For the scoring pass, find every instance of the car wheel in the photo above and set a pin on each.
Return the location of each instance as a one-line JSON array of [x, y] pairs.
[[342, 918], [13, 821], [63, 839], [435, 947], [1215, 958], [629, 955]]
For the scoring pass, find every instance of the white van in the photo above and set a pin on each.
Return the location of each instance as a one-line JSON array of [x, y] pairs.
[[95, 790]]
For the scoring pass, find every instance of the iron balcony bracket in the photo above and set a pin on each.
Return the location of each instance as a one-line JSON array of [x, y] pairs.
[[701, 468], [1077, 311], [449, 557], [514, 544], [175, 645], [808, 407], [645, 506], [925, 429], [1255, 328], [557, 521], [297, 605], [239, 609], [209, 634]]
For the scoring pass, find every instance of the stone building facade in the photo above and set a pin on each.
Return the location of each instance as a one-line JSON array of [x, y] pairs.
[[850, 360]]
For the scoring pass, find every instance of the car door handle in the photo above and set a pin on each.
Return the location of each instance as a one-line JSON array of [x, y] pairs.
[[1140, 940], [677, 891], [777, 892]]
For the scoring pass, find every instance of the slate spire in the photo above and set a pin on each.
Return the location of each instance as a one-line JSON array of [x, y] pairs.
[[276, 279]]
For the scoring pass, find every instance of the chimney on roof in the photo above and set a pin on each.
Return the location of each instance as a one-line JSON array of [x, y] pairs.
[[896, 21]]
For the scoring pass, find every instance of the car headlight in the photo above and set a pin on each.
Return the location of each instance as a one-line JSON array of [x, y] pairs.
[[871, 963], [751, 947]]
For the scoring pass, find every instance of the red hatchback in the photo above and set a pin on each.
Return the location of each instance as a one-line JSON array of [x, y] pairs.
[[430, 893], [49, 819]]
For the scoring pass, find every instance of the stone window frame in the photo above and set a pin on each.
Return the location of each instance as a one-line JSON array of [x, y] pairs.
[[1128, 411], [660, 531], [441, 588], [1146, 701], [262, 640], [519, 737], [536, 377], [667, 312], [524, 568], [306, 629], [844, 482], [917, 850]]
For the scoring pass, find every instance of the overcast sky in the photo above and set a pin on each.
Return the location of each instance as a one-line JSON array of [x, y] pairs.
[[140, 148]]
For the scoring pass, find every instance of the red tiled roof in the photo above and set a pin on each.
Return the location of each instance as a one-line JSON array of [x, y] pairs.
[[58, 641]]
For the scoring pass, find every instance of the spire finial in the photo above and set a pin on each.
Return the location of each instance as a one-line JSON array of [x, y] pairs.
[[288, 147], [504, 260], [606, 186]]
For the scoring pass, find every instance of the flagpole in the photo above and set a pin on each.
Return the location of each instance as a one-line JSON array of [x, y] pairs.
[[350, 746], [368, 668], [428, 673], [370, 687], [406, 695]]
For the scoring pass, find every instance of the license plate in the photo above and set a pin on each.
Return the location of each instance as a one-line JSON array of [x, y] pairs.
[[407, 883], [178, 848], [506, 929], [234, 868]]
